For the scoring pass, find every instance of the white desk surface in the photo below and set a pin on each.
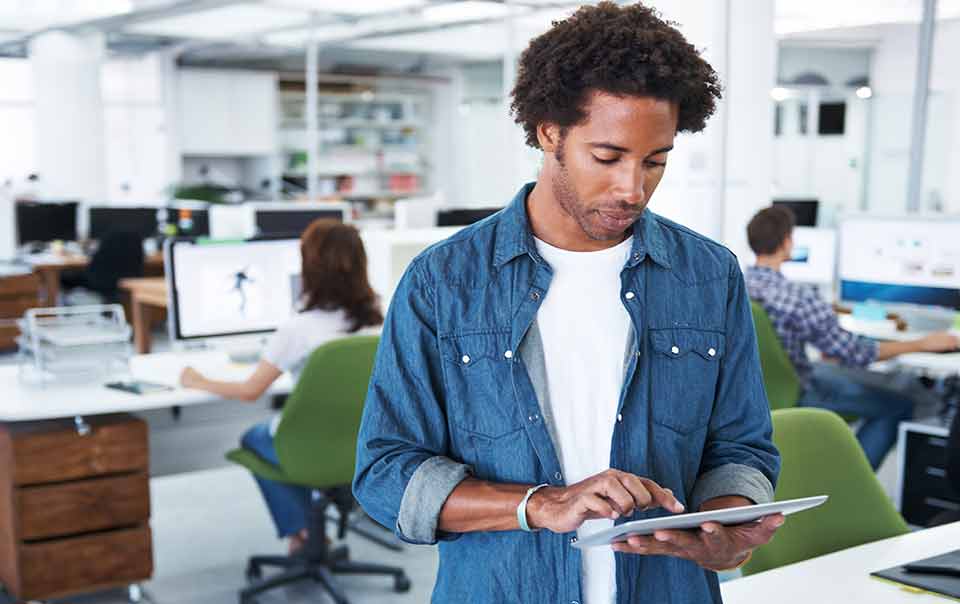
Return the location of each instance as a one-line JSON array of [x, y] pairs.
[[878, 330], [21, 402], [844, 576], [939, 364]]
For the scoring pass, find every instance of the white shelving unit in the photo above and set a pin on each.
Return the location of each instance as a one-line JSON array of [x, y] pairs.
[[373, 144]]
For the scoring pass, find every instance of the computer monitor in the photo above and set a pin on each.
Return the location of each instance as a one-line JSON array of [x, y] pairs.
[[140, 220], [45, 221], [230, 288], [189, 221], [463, 216], [804, 210], [814, 256], [900, 260], [280, 219]]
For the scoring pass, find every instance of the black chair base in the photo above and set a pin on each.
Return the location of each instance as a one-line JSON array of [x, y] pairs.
[[318, 561]]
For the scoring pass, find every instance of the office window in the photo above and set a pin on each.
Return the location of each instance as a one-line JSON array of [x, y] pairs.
[[832, 118]]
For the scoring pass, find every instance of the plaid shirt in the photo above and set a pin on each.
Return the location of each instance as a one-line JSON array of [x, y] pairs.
[[800, 317]]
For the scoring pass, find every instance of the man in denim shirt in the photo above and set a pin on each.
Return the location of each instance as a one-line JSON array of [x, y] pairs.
[[506, 399]]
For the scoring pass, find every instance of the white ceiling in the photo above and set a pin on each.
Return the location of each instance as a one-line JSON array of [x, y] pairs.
[[405, 25]]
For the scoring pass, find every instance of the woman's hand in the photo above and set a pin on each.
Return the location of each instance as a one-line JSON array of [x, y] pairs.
[[190, 378]]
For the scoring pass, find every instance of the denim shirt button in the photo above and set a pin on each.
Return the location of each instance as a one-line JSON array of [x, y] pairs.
[[629, 295], [509, 354], [533, 417], [712, 352], [636, 255], [465, 359], [534, 295], [619, 417], [558, 475], [573, 540], [675, 350]]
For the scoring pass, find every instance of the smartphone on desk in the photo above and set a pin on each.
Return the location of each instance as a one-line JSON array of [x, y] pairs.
[[139, 387]]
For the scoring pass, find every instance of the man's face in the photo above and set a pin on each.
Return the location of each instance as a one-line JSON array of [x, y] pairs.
[[609, 166]]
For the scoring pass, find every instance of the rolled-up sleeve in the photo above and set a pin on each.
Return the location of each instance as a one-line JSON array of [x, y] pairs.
[[739, 457], [403, 472]]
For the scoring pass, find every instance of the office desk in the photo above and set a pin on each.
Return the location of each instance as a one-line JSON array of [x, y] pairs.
[[48, 266], [102, 459], [931, 363], [844, 576], [878, 330], [148, 300], [21, 402]]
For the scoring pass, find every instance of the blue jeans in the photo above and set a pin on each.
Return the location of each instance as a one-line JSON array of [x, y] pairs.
[[288, 504], [880, 401]]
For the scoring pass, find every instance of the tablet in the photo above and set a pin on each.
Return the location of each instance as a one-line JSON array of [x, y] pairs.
[[726, 517]]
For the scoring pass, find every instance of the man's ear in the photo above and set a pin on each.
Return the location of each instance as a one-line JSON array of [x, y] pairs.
[[548, 135]]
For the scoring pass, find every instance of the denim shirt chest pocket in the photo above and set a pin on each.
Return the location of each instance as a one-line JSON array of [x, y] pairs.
[[480, 400], [685, 367]]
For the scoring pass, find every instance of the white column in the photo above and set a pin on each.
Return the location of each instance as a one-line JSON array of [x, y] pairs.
[[313, 133], [8, 245], [749, 144], [69, 115]]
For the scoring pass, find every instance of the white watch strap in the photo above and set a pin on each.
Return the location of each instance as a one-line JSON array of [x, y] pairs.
[[522, 508]]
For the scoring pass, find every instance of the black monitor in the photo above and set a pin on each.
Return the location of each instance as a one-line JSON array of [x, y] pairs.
[[43, 221], [272, 222], [804, 210], [139, 220], [463, 216], [189, 222]]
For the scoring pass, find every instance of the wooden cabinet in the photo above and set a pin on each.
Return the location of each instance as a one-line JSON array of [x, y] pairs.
[[18, 293], [74, 507]]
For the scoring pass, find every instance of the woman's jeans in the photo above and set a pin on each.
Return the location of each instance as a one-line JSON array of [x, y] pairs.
[[288, 504]]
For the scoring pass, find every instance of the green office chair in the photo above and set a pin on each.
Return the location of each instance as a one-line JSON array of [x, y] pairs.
[[779, 377], [316, 443], [821, 456]]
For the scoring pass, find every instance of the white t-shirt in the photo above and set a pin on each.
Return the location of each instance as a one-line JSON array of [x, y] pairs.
[[584, 327], [303, 333]]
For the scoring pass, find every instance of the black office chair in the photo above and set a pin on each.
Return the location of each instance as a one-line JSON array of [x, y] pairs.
[[119, 255]]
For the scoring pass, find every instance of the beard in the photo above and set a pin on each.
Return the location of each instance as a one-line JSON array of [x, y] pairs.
[[585, 217]]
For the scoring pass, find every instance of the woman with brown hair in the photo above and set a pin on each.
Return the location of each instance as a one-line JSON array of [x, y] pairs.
[[337, 301]]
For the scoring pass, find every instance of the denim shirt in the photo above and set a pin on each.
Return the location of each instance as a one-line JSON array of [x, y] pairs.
[[459, 389]]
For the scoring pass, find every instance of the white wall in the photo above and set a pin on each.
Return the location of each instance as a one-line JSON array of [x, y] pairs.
[[837, 65], [893, 77], [489, 170], [690, 192]]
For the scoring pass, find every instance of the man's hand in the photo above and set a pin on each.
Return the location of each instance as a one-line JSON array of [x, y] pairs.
[[713, 546], [610, 494], [939, 342]]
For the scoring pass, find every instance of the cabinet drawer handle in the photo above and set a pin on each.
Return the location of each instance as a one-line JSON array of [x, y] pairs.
[[83, 428], [943, 504]]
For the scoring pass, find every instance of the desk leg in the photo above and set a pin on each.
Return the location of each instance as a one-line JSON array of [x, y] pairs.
[[142, 338], [50, 278]]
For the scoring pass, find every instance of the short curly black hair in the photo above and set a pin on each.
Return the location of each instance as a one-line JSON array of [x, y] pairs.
[[622, 50]]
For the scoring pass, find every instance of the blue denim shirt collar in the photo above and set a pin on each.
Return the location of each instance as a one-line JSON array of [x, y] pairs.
[[515, 237]]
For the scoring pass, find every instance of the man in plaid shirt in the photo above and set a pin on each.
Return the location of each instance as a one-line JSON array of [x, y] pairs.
[[801, 317]]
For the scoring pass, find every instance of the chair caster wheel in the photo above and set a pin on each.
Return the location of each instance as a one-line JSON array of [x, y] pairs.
[[401, 584]]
